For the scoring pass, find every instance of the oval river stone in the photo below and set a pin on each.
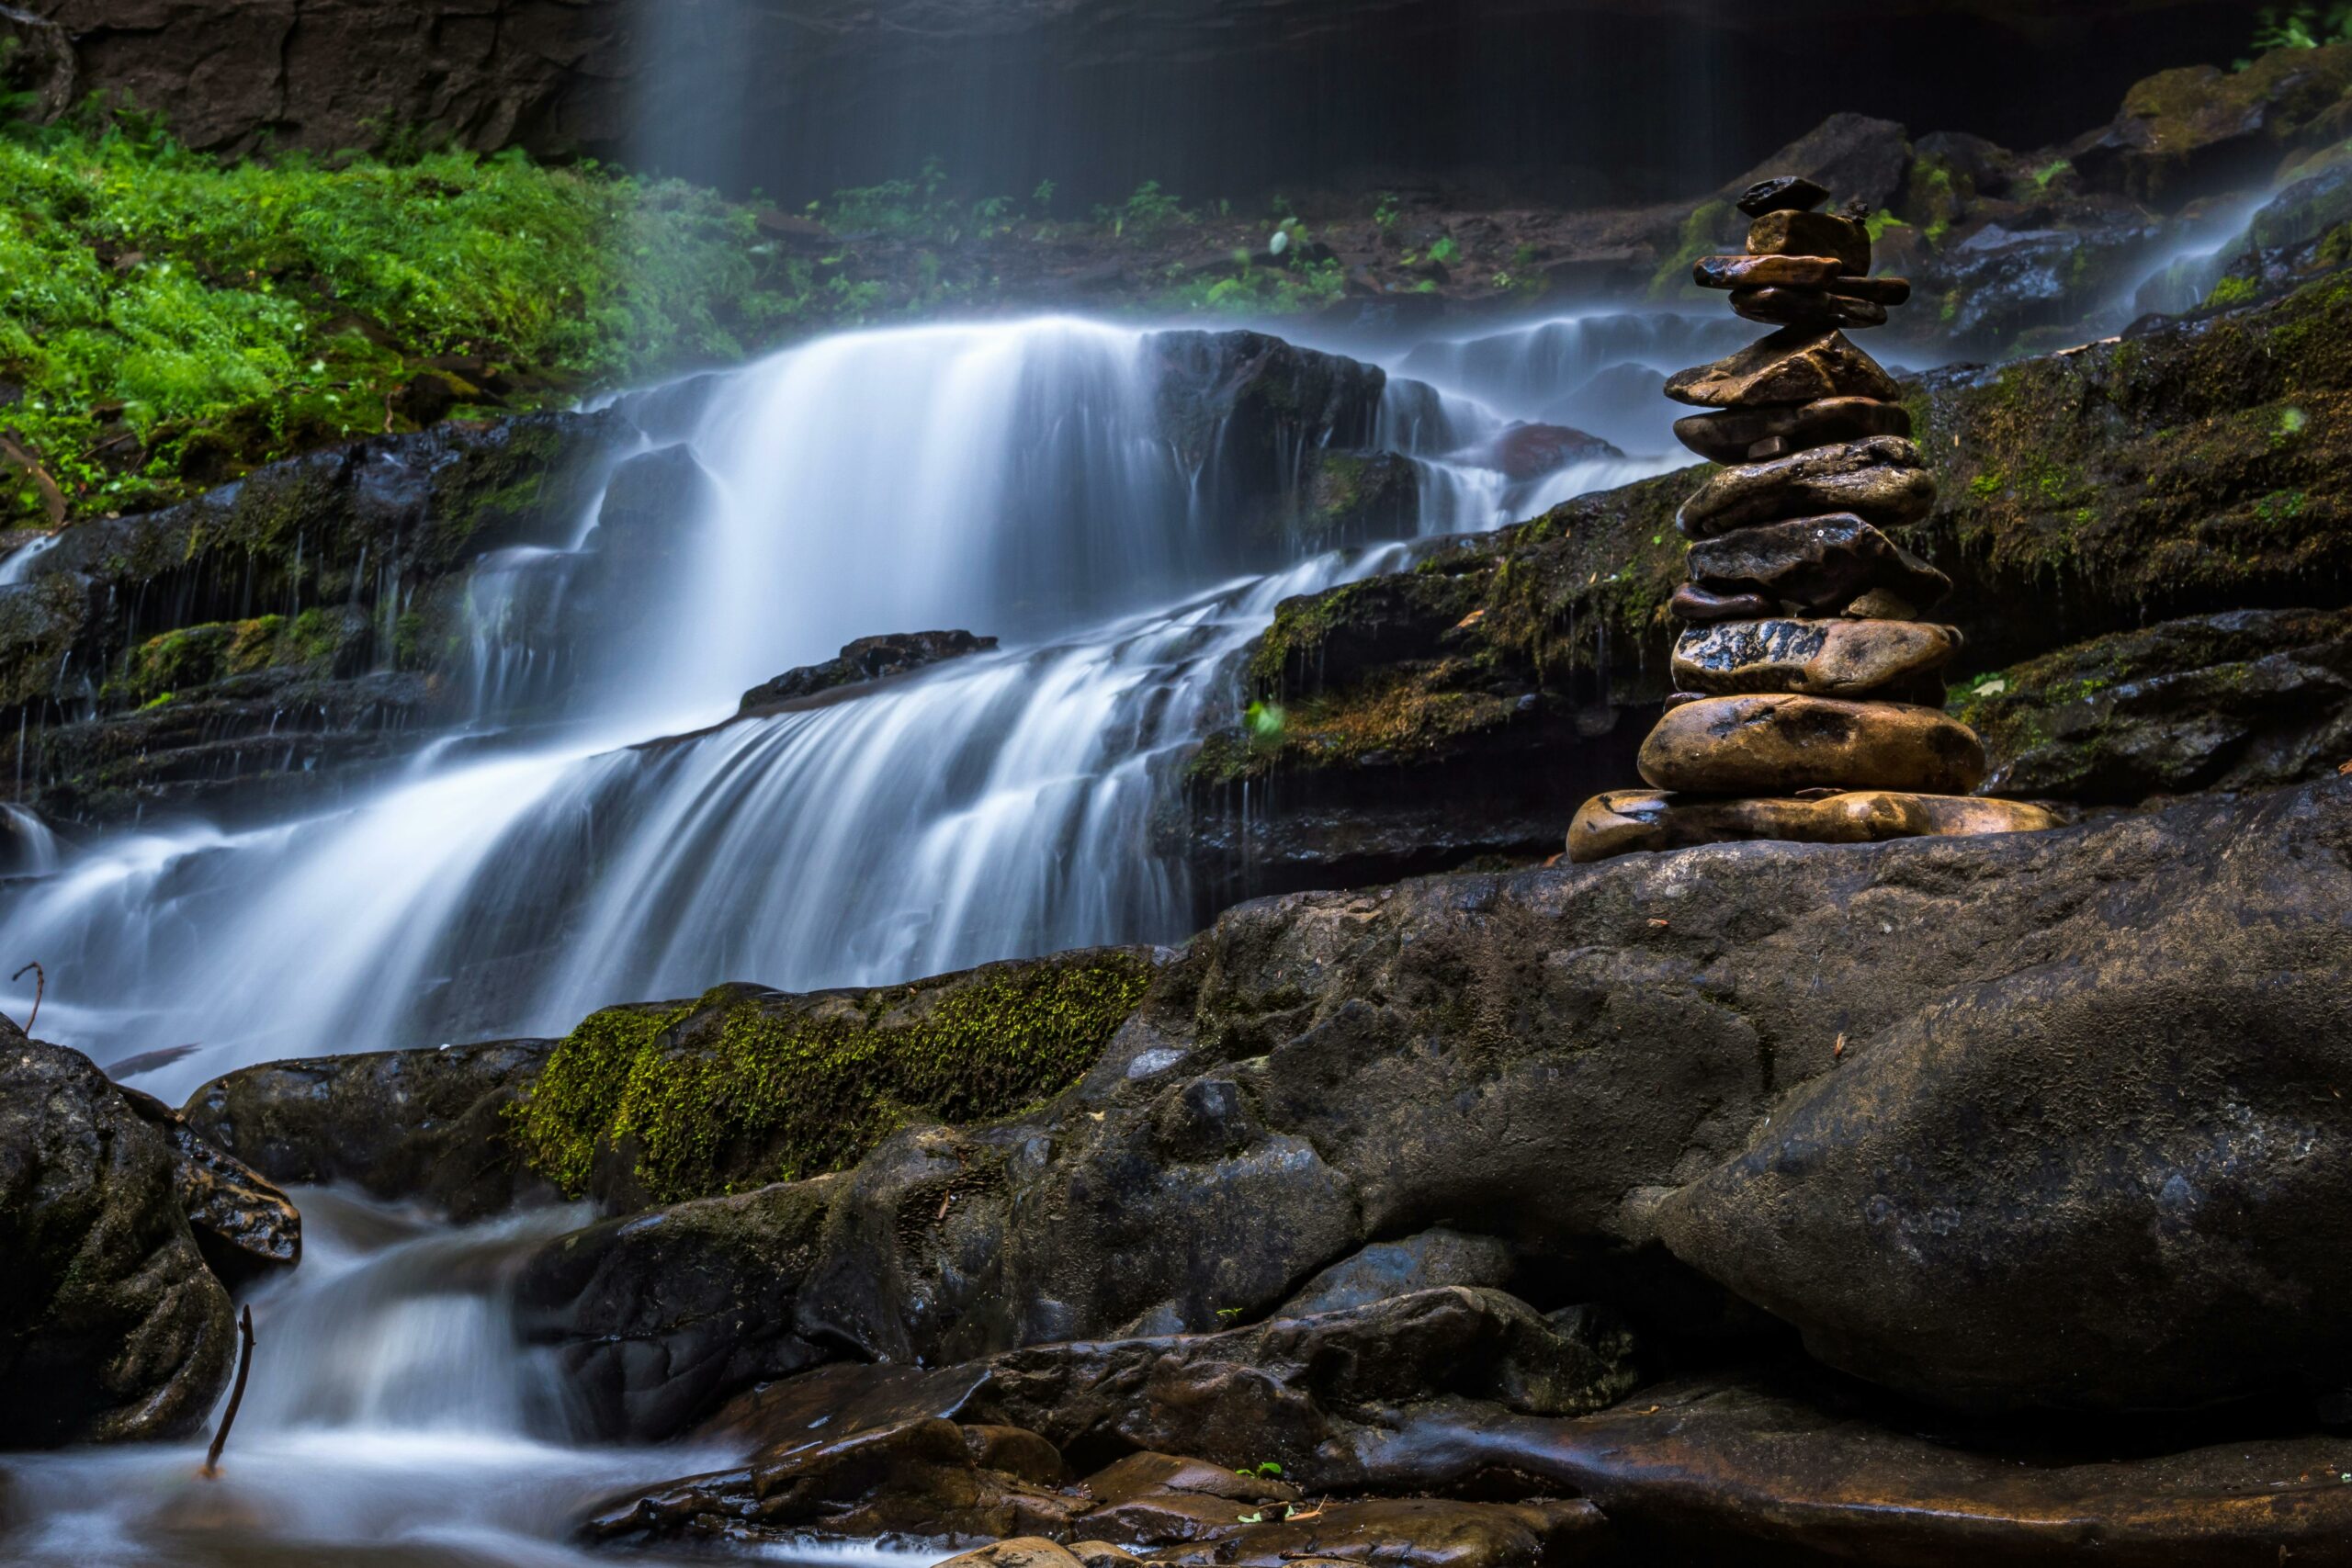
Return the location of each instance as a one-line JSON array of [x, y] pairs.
[[1782, 744], [1821, 659], [1818, 565], [1795, 365], [1725, 438]]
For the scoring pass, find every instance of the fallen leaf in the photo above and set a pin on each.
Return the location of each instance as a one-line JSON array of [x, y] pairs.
[[1472, 619], [945, 1201], [1838, 1049], [1658, 925]]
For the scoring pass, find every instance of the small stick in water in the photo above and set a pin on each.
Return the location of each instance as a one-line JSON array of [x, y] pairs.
[[41, 984], [211, 1470]]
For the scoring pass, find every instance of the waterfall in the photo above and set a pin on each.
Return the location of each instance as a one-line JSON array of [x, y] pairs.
[[1019, 479], [392, 1412]]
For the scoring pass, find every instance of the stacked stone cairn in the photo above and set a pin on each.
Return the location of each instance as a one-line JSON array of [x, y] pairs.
[[1809, 701]]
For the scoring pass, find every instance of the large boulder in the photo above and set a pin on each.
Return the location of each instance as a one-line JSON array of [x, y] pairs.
[[2199, 130], [111, 1327], [2087, 1181], [424, 1126]]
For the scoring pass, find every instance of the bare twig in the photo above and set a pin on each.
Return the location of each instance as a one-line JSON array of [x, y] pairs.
[[211, 1470], [40, 988]]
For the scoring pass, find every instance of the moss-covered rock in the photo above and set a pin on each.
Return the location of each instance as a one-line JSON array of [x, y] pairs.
[[2244, 699], [744, 1086], [2187, 132]]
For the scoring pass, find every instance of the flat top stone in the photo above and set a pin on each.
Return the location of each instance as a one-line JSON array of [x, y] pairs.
[[1811, 234], [1778, 744], [1891, 486], [1820, 658], [1781, 193]]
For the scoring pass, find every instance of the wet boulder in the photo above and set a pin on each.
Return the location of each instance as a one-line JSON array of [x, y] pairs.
[[2087, 1181], [1428, 1261], [245, 1228], [111, 1327], [868, 659], [420, 1126], [658, 1318]]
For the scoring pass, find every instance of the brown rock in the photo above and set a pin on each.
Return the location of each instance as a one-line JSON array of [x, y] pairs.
[[1405, 1532], [1877, 290], [1818, 565], [1626, 820], [1783, 193], [1148, 1474], [1789, 233], [1795, 365], [1766, 272], [1882, 604], [1762, 1471], [1692, 603], [1727, 437], [1021, 1552], [1777, 743], [1102, 1554], [1804, 308], [1882, 479], [1822, 658], [244, 1227]]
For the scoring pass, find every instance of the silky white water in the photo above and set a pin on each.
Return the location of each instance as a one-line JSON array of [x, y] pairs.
[[393, 1417], [1018, 480]]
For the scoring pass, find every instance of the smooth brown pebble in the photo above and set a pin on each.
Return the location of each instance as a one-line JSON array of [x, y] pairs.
[[1775, 743]]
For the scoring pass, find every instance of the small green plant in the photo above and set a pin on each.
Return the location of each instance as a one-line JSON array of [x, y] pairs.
[[2231, 292], [1386, 213], [2051, 171], [2300, 27], [1042, 198], [1265, 1470], [1879, 222], [1147, 211], [1445, 252]]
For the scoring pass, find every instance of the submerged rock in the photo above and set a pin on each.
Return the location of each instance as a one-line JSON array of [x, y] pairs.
[[111, 1327]]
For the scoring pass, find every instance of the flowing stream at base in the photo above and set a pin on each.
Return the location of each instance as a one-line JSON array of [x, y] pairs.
[[393, 1420], [1020, 479]]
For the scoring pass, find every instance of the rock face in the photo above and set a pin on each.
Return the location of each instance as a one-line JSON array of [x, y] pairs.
[[111, 1327], [2085, 1182], [404, 1126], [245, 1228], [868, 659]]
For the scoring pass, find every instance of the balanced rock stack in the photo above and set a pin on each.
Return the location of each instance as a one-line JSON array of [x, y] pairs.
[[1810, 699]]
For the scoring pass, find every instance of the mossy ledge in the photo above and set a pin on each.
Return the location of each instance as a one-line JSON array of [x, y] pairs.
[[744, 1086]]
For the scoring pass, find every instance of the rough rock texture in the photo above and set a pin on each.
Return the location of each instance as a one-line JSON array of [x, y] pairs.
[[111, 1327], [868, 659], [405, 1126], [2240, 700], [2087, 1181], [1795, 365], [1819, 565], [1465, 707]]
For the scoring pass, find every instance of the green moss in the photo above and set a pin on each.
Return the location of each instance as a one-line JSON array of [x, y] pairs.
[[189, 658], [745, 1087], [2231, 292], [1703, 235]]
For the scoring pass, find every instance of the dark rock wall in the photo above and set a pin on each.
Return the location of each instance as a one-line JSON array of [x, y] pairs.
[[1584, 99]]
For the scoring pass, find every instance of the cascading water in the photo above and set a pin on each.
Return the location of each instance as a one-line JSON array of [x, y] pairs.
[[1020, 479], [394, 1416]]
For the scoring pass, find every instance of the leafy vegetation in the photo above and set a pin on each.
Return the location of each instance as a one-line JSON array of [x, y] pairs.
[[168, 320], [2300, 27]]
